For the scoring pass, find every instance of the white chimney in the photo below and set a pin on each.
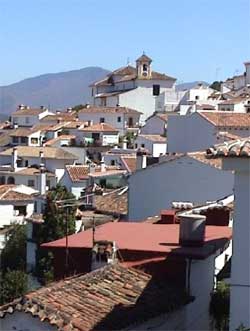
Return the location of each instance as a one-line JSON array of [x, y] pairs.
[[15, 126], [91, 167], [141, 159], [192, 229], [42, 179], [20, 107], [41, 155], [103, 166], [14, 158], [125, 143]]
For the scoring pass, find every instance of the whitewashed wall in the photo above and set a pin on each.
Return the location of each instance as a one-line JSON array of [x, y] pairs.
[[185, 179]]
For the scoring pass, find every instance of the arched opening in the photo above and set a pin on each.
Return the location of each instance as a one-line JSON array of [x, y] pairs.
[[145, 67], [11, 180], [2, 180]]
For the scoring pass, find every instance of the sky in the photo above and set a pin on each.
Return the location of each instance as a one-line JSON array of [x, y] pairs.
[[188, 39]]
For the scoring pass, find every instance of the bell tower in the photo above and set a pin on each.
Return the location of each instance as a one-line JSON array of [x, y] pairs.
[[143, 67]]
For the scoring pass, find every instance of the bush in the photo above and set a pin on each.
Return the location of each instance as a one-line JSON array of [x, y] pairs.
[[13, 284], [219, 307]]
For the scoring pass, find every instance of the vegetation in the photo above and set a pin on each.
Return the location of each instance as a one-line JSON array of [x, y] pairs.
[[13, 279], [219, 307], [53, 228], [78, 107], [216, 85]]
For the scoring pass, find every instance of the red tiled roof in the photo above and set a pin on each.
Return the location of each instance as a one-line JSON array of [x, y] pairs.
[[62, 137], [129, 162], [101, 127], [111, 298], [78, 172], [29, 112], [8, 193], [146, 237], [112, 110], [112, 203], [154, 138], [236, 148], [229, 119]]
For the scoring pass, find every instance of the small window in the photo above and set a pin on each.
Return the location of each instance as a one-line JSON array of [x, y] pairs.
[[20, 210], [26, 163], [11, 180], [112, 162], [24, 140], [119, 119], [103, 182], [34, 141], [156, 89], [31, 183], [102, 120], [145, 67], [197, 97], [136, 145], [15, 140], [142, 145]]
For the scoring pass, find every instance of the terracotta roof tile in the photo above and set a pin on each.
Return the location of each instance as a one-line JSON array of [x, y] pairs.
[[78, 173], [49, 152], [236, 148], [129, 163], [227, 119], [61, 137], [113, 203], [100, 127], [110, 298], [28, 112], [154, 138], [112, 110], [9, 193]]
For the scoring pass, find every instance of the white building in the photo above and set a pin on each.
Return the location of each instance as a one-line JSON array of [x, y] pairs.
[[28, 117], [199, 130], [54, 159], [101, 134], [237, 82], [237, 105], [236, 157], [179, 178], [137, 87], [155, 144], [121, 118], [16, 203]]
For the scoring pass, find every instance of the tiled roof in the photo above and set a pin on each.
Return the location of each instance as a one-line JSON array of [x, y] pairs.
[[201, 157], [113, 203], [62, 137], [153, 137], [78, 172], [10, 193], [49, 152], [100, 127], [112, 110], [237, 148], [129, 163], [111, 298], [28, 112], [229, 119], [32, 172], [146, 237], [59, 117], [143, 58]]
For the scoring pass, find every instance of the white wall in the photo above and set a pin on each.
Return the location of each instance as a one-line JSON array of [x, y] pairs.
[[185, 179], [189, 133], [7, 212]]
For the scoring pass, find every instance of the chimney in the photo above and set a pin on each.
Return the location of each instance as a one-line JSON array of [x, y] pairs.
[[14, 158], [141, 159], [15, 126], [125, 143], [42, 107], [103, 166], [41, 155], [20, 107], [87, 105], [42, 179], [192, 230], [91, 167], [69, 110], [168, 217]]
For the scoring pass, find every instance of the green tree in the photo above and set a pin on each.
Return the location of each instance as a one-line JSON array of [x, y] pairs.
[[13, 284], [78, 107], [219, 307], [216, 85], [57, 222], [13, 256]]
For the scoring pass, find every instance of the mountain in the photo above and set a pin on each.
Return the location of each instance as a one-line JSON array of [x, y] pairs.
[[189, 85], [56, 91]]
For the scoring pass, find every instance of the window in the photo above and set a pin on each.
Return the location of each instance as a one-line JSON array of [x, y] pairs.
[[31, 183], [112, 162], [24, 140], [26, 163], [119, 119], [145, 67], [136, 145], [197, 97], [27, 120], [2, 180], [142, 145], [102, 120], [103, 102], [156, 89], [11, 180], [15, 140], [20, 210], [34, 141]]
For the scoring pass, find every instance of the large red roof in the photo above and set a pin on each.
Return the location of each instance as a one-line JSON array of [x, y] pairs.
[[146, 237]]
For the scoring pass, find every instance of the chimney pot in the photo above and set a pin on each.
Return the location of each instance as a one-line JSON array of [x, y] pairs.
[[192, 230]]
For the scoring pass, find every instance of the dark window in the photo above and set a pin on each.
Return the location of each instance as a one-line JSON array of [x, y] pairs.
[[15, 140], [24, 140], [102, 120], [103, 182], [112, 162], [156, 89], [11, 180], [2, 180], [26, 163], [136, 145], [20, 210], [31, 182], [34, 141], [119, 119], [142, 145], [144, 67], [197, 97]]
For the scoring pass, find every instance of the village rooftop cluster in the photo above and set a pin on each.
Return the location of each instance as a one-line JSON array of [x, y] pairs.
[[160, 179]]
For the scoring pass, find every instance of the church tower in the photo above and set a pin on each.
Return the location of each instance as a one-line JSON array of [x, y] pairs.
[[143, 67]]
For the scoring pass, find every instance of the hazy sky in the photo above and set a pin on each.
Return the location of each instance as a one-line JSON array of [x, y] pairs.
[[188, 39]]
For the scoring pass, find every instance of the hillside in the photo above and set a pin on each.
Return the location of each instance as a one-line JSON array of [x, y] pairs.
[[56, 91]]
